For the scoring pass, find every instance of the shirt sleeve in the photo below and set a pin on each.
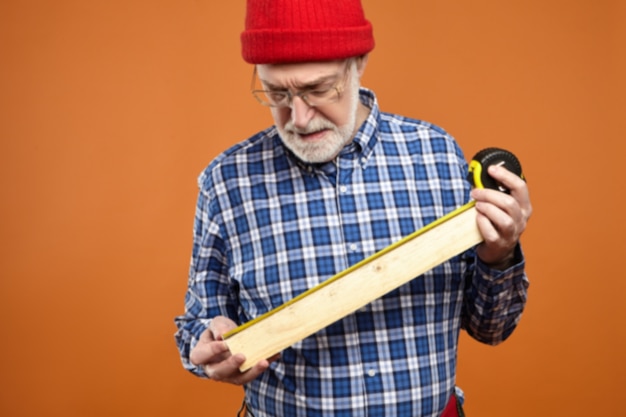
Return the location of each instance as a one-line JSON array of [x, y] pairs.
[[494, 300], [209, 291]]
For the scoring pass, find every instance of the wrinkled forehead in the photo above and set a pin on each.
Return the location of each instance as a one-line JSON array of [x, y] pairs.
[[299, 74]]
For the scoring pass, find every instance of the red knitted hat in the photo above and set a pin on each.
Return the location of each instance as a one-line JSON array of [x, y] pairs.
[[284, 31]]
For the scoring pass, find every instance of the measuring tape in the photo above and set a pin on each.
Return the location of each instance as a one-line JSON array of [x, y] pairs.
[[478, 176]]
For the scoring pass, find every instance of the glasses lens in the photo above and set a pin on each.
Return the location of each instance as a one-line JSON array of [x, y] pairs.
[[272, 99], [321, 97], [277, 98]]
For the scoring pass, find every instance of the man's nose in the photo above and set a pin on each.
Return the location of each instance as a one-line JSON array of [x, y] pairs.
[[301, 112]]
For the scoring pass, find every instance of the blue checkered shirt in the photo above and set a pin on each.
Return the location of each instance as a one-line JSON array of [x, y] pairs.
[[269, 227]]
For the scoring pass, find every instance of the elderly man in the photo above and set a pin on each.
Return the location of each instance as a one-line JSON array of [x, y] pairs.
[[332, 182]]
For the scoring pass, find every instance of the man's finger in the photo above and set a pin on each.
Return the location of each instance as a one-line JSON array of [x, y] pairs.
[[226, 370], [220, 325], [204, 353]]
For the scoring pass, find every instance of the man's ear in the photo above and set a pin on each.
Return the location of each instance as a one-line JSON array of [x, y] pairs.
[[361, 63]]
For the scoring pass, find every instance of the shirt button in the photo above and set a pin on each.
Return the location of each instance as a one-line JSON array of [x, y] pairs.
[[371, 372], [353, 247], [343, 188]]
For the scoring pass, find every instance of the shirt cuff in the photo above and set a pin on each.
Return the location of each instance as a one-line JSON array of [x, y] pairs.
[[516, 263]]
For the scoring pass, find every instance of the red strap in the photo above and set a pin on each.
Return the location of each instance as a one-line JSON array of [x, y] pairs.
[[451, 409]]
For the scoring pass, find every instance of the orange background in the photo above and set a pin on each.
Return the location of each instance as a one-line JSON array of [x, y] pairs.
[[109, 111]]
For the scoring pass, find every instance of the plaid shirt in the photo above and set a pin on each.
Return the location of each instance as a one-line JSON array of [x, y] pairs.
[[269, 227]]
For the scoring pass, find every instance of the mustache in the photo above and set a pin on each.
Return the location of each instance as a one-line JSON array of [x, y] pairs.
[[314, 125]]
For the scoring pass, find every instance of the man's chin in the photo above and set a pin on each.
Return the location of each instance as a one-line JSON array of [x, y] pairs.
[[313, 154], [313, 157], [316, 148]]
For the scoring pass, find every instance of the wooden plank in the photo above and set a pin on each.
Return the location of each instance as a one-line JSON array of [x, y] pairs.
[[355, 287]]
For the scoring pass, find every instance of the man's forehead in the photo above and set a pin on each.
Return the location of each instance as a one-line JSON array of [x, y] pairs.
[[298, 73]]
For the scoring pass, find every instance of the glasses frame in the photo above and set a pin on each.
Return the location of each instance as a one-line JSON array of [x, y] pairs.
[[339, 88]]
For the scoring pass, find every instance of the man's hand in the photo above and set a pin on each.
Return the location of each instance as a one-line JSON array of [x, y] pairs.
[[218, 363], [501, 218]]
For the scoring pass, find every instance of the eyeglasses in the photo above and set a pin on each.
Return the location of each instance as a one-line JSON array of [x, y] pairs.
[[313, 97]]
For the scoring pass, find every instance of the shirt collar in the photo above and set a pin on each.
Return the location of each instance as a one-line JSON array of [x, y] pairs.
[[367, 135]]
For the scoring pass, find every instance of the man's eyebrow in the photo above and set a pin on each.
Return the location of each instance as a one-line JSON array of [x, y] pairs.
[[303, 86]]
